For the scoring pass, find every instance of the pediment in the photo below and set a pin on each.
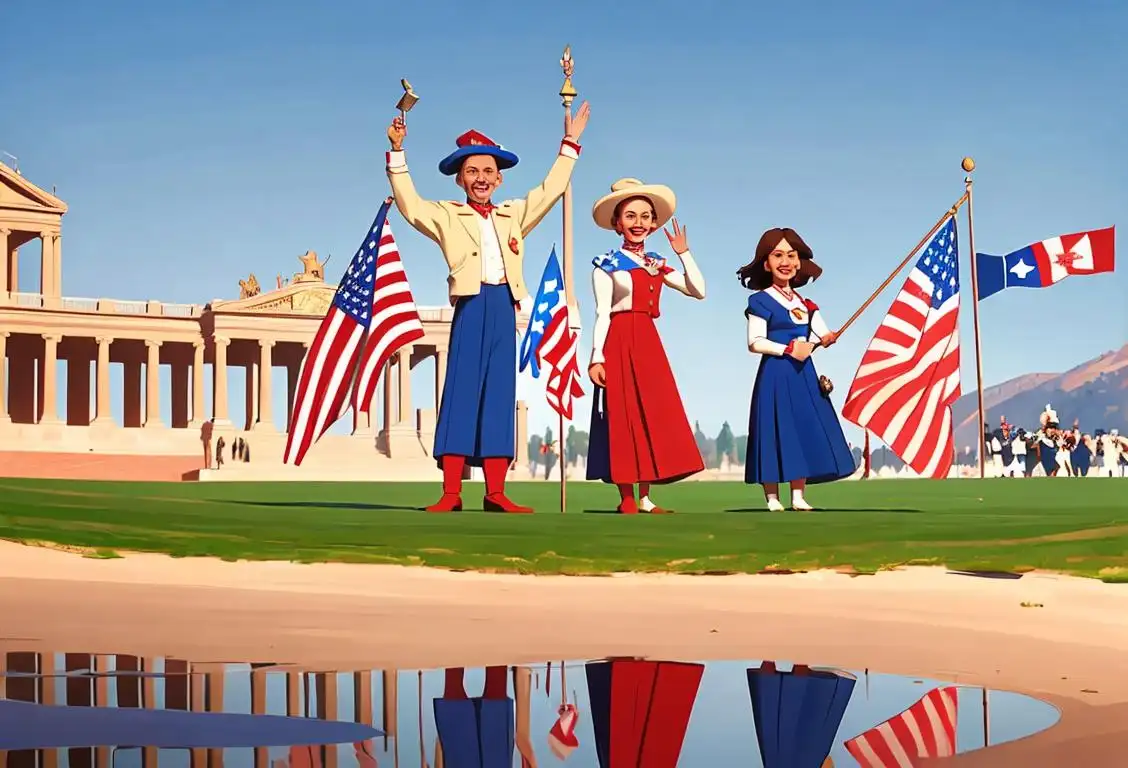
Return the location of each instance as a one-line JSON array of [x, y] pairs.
[[295, 299], [17, 193]]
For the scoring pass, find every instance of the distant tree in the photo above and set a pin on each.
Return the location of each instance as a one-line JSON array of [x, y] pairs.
[[725, 442], [706, 446], [550, 457], [535, 443], [741, 449], [576, 444]]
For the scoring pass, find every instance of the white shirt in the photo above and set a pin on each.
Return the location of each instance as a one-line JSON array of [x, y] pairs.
[[493, 267], [1019, 446]]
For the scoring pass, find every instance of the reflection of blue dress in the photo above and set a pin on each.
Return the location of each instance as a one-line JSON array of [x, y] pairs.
[[793, 431], [475, 733], [797, 716]]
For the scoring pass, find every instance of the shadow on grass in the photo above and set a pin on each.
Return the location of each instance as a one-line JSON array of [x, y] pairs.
[[864, 510], [328, 505], [987, 574]]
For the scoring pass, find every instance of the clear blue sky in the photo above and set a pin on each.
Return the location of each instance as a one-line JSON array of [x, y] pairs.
[[196, 142]]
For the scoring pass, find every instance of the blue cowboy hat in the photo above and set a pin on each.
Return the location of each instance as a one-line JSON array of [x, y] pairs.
[[474, 143]]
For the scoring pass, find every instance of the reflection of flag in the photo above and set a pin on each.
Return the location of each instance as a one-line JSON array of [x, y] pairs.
[[640, 710], [562, 738], [327, 371], [550, 340], [910, 373], [1047, 262], [797, 713], [926, 729], [395, 320]]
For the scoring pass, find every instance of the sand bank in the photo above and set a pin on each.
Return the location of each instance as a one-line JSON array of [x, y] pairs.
[[1061, 639]]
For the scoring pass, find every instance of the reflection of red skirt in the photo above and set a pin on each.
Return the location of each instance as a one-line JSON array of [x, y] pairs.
[[650, 440]]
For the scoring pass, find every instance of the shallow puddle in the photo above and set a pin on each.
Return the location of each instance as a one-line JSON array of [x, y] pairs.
[[74, 710]]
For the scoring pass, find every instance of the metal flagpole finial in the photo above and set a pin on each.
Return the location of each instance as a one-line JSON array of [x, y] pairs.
[[567, 91], [407, 101], [968, 164]]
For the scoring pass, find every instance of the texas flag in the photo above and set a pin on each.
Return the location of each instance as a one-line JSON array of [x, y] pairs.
[[1047, 262]]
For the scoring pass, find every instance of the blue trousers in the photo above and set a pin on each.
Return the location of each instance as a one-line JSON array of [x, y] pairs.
[[476, 733], [477, 415]]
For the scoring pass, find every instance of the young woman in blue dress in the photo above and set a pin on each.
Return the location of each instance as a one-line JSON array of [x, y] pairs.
[[794, 435]]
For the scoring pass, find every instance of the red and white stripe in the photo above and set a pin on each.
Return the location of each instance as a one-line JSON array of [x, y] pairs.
[[559, 350], [1081, 253], [323, 383], [909, 377], [927, 729], [562, 738], [395, 320]]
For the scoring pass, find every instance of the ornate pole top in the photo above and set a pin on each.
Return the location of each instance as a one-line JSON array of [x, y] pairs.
[[567, 91]]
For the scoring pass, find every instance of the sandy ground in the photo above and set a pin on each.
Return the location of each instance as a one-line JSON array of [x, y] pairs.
[[1072, 650]]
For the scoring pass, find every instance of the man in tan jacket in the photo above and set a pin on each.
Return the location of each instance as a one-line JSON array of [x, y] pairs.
[[484, 247]]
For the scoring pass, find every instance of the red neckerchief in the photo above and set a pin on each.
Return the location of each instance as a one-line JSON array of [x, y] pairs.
[[483, 209], [635, 248]]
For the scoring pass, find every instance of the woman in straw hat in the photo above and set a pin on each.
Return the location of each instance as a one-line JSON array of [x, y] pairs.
[[794, 435], [639, 432]]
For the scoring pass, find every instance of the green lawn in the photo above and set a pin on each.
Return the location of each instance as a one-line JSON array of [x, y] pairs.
[[1069, 525]]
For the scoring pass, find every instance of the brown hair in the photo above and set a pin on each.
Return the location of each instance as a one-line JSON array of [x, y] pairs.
[[755, 277], [622, 203]]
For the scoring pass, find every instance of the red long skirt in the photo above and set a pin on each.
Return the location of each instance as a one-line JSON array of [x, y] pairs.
[[650, 440]]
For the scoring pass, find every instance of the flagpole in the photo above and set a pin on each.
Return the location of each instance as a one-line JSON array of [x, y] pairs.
[[935, 228], [567, 95], [986, 721], [969, 165]]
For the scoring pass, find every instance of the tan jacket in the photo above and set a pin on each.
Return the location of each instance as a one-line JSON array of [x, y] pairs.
[[453, 226]]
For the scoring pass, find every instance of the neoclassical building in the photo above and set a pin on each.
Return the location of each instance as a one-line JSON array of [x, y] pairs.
[[265, 333]]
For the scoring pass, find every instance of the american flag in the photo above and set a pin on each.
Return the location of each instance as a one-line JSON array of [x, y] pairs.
[[330, 366], [395, 320], [550, 340], [910, 373], [927, 729]]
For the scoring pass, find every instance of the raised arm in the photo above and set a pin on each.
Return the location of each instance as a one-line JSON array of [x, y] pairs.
[[690, 282], [540, 200], [604, 287], [422, 214]]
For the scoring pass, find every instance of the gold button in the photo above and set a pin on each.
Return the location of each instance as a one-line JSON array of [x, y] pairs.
[[473, 253], [652, 289]]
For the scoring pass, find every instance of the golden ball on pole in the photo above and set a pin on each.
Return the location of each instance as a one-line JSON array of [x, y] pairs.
[[968, 164]]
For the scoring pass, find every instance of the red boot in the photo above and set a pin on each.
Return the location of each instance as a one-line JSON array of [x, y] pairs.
[[451, 500], [495, 469], [627, 504]]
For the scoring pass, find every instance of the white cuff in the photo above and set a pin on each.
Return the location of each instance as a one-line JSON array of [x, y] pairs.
[[767, 347], [396, 160], [597, 357], [570, 149]]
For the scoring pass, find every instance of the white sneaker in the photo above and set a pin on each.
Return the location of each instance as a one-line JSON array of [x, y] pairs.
[[775, 505], [800, 505]]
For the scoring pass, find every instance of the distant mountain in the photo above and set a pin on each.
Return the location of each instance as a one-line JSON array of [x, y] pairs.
[[1095, 393]]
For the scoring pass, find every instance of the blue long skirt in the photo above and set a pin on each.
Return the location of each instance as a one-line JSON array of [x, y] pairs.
[[793, 431], [477, 415], [475, 733]]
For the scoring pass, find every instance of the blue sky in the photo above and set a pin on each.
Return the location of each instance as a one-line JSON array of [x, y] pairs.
[[198, 142]]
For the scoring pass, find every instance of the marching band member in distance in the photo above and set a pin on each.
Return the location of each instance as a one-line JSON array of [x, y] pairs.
[[646, 438], [483, 245], [794, 435]]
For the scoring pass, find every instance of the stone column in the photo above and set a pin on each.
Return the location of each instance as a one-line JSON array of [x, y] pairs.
[[131, 397], [292, 372], [265, 421], [5, 253], [102, 385], [153, 384], [440, 376], [197, 385], [78, 392], [4, 417], [13, 255], [57, 265], [251, 395], [219, 382], [389, 383], [48, 405], [405, 385], [179, 390], [47, 263]]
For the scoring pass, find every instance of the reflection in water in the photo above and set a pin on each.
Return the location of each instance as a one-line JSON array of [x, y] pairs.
[[614, 713]]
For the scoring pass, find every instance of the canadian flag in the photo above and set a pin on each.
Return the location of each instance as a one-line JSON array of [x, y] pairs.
[[562, 738]]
